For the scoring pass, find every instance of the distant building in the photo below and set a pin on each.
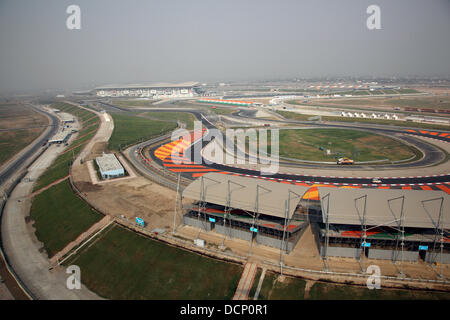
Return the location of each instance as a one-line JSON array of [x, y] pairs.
[[109, 166], [60, 137], [66, 117], [153, 91]]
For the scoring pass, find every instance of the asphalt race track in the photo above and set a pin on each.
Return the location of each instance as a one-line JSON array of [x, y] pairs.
[[433, 155]]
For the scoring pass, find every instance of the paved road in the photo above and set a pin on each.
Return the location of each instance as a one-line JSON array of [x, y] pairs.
[[13, 166], [23, 249], [19, 242]]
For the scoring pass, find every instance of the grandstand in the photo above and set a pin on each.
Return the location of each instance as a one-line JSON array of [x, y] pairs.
[[246, 208], [405, 225], [228, 102], [151, 91], [384, 224]]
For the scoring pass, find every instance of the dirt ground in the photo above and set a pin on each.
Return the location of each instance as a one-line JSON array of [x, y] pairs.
[[97, 150], [14, 116], [19, 126], [139, 197], [433, 90]]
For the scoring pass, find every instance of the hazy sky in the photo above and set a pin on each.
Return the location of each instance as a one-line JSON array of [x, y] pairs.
[[210, 40]]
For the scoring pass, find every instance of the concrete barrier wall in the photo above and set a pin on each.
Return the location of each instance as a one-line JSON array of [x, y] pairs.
[[222, 229], [269, 241], [232, 232], [194, 222], [341, 252], [241, 234], [385, 254], [433, 257]]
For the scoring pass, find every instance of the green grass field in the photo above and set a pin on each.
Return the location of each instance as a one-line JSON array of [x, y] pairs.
[[184, 117], [130, 129], [60, 217], [59, 169], [294, 289], [429, 102], [302, 117], [129, 103], [289, 289], [80, 113], [310, 144], [121, 264], [224, 111], [11, 142], [16, 116], [60, 166], [321, 291]]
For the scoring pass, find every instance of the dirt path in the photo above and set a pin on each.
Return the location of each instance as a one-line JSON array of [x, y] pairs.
[[261, 280], [48, 186], [93, 229], [246, 281], [308, 286]]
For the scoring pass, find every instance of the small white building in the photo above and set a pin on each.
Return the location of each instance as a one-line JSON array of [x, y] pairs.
[[109, 166]]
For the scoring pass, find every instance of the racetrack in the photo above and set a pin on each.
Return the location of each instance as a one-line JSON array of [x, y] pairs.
[[433, 156]]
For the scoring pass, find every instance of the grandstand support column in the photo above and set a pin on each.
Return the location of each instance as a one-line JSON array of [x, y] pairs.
[[255, 212], [227, 215], [401, 229], [441, 275], [286, 210], [364, 230], [176, 204], [439, 225], [327, 229], [202, 203], [228, 209]]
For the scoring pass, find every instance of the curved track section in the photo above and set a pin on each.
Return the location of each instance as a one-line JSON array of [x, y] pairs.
[[190, 169]]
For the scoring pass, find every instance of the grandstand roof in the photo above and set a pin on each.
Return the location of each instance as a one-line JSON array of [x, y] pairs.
[[149, 85], [383, 207], [272, 195]]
